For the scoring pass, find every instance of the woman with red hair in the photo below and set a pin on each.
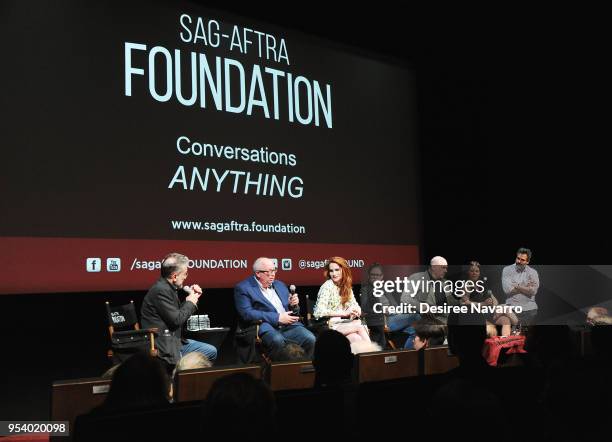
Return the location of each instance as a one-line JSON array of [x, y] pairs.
[[336, 300]]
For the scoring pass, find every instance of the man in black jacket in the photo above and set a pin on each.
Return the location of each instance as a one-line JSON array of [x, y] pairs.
[[162, 309]]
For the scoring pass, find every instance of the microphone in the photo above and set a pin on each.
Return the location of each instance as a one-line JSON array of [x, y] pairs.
[[294, 308], [190, 291]]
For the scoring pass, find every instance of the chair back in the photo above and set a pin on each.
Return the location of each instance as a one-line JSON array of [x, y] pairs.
[[122, 317], [248, 345], [125, 334]]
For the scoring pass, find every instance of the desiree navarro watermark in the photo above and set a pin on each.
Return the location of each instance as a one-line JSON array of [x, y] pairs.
[[424, 308], [412, 287]]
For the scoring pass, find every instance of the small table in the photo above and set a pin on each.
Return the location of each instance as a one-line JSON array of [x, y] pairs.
[[213, 336]]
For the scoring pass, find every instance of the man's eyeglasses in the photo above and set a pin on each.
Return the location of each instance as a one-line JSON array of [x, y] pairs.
[[267, 272]]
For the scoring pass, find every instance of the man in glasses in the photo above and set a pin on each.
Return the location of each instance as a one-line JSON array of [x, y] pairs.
[[262, 298]]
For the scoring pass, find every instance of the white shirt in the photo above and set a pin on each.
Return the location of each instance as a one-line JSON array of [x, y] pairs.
[[512, 276], [271, 295]]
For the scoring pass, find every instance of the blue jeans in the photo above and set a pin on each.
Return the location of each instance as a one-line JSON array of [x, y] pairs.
[[403, 322], [206, 349], [276, 339]]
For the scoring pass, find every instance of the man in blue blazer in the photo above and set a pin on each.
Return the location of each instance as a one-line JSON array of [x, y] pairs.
[[261, 298]]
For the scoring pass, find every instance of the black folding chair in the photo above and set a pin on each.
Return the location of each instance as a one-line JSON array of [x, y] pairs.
[[125, 334]]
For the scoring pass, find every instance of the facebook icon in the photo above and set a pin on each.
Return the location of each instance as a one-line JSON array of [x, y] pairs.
[[93, 264]]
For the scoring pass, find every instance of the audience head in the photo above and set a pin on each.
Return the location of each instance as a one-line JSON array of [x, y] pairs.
[[603, 320], [193, 360], [428, 332], [291, 352], [333, 360], [238, 405], [595, 313], [139, 382], [466, 335]]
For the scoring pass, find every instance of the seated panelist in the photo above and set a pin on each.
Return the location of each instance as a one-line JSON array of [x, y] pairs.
[[262, 298]]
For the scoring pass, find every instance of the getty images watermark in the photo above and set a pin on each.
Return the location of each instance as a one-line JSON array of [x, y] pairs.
[[413, 289]]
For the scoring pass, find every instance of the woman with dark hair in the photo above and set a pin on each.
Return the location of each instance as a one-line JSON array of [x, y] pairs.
[[337, 301], [478, 293], [475, 288]]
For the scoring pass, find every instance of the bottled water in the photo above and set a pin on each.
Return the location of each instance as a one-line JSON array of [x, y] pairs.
[[198, 322]]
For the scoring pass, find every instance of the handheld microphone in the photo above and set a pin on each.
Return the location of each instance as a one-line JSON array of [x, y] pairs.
[[294, 308], [190, 291]]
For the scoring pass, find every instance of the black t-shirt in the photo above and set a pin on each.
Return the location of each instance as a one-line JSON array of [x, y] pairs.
[[480, 296]]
